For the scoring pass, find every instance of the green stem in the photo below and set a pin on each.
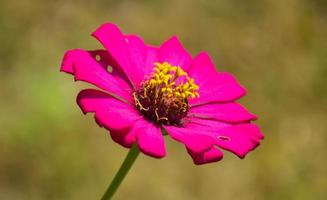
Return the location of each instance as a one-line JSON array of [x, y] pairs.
[[123, 170]]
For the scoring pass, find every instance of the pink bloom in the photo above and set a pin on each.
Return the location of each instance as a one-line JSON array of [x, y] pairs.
[[153, 88]]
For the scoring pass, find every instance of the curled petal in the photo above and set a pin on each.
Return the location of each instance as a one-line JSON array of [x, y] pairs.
[[226, 112], [214, 86], [174, 53], [84, 66], [109, 64], [126, 138], [212, 155]]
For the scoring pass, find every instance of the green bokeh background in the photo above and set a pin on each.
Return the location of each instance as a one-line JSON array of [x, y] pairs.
[[277, 50]]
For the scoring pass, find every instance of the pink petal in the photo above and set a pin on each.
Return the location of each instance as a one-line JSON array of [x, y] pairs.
[[117, 45], [110, 113], [106, 61], [193, 140], [214, 86], [143, 56], [151, 58], [174, 53], [126, 138], [204, 124], [227, 112], [239, 139], [212, 155], [84, 66], [150, 139]]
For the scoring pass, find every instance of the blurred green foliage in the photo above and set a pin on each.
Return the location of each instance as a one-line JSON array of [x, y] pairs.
[[276, 49]]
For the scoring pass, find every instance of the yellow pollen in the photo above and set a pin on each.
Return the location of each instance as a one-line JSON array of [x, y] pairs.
[[164, 78]]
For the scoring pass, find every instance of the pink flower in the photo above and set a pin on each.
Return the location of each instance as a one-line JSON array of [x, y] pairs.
[[148, 89]]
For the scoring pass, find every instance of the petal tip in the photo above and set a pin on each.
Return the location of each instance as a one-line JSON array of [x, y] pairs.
[[154, 154], [104, 27]]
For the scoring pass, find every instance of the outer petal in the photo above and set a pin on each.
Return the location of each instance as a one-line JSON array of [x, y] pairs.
[[212, 155], [227, 112], [174, 53], [193, 140], [114, 115], [85, 67], [214, 86], [117, 45], [199, 146], [150, 139], [126, 138], [106, 61], [239, 138]]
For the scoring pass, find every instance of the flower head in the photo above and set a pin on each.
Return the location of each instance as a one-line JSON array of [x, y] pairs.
[[145, 89]]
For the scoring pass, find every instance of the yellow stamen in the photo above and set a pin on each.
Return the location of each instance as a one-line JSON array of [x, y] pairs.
[[164, 76], [137, 102]]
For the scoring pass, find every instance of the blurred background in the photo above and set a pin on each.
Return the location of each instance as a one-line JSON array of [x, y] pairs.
[[277, 50]]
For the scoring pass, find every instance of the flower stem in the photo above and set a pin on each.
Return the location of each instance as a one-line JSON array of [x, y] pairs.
[[123, 170]]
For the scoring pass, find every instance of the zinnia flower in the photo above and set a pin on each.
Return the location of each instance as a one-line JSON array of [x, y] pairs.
[[145, 89]]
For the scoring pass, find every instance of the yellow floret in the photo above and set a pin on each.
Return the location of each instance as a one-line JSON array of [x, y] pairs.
[[164, 78]]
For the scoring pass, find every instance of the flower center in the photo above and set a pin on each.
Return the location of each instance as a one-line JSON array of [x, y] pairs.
[[163, 98]]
